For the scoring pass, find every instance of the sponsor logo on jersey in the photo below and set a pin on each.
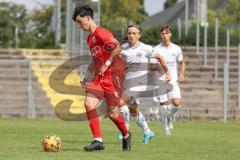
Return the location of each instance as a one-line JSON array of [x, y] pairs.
[[95, 50], [139, 55]]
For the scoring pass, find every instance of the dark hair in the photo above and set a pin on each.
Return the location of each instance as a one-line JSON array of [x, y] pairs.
[[166, 27], [82, 11], [136, 26]]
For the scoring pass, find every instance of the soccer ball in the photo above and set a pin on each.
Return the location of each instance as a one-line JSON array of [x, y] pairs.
[[51, 143]]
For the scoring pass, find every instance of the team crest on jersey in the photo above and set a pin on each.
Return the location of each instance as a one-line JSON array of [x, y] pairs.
[[173, 54], [139, 55]]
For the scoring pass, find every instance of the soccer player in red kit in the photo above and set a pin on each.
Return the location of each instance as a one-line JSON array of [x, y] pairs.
[[108, 77]]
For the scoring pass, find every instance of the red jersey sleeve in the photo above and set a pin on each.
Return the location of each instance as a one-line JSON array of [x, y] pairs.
[[110, 43]]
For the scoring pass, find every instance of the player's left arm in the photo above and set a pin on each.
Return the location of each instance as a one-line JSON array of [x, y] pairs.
[[164, 65], [114, 53], [182, 67]]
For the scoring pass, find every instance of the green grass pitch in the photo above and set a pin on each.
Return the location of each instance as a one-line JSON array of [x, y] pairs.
[[20, 139]]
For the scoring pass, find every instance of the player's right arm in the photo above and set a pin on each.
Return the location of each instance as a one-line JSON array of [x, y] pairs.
[[152, 53], [182, 65], [164, 65]]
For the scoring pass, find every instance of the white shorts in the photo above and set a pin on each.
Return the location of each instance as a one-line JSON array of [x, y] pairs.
[[163, 93], [137, 89]]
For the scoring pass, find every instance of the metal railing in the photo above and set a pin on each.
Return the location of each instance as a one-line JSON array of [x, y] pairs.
[[31, 104], [30, 108]]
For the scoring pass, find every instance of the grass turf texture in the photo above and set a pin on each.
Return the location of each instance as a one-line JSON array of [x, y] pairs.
[[21, 140]]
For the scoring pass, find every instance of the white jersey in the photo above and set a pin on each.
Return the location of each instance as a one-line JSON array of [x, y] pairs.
[[137, 59], [172, 55]]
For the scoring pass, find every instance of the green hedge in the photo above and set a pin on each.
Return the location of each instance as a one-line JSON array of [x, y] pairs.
[[151, 35]]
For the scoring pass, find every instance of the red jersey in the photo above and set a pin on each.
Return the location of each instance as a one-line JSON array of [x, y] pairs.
[[101, 43]]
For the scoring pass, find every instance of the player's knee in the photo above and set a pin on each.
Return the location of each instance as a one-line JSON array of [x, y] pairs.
[[88, 105], [133, 114], [164, 103], [122, 102], [176, 102], [133, 111], [112, 114]]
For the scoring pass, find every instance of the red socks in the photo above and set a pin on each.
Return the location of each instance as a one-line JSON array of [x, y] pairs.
[[94, 123], [121, 125]]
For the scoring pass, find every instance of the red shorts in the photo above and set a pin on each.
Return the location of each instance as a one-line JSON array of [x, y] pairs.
[[108, 87]]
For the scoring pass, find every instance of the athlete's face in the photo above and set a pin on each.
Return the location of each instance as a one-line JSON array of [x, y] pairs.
[[133, 35], [84, 22], [166, 36]]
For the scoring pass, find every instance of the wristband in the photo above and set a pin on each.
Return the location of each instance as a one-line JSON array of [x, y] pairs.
[[108, 63]]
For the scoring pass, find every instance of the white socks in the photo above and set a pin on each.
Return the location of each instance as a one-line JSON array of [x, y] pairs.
[[167, 115], [173, 109], [163, 116], [125, 114], [140, 120], [98, 139]]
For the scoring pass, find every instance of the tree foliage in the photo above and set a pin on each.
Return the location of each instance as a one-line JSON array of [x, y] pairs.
[[229, 17], [39, 34], [12, 16], [34, 26], [231, 13], [169, 3], [117, 14]]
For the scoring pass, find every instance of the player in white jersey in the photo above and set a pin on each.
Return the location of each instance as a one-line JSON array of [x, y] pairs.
[[138, 55], [172, 54]]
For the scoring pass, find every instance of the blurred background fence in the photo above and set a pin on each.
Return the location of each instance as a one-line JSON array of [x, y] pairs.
[[207, 31], [25, 90]]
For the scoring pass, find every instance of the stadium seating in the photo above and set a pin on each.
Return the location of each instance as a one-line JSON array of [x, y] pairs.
[[14, 69], [14, 86], [202, 94], [43, 64]]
